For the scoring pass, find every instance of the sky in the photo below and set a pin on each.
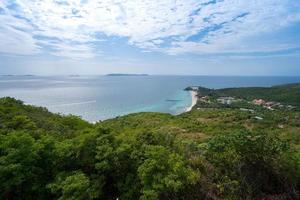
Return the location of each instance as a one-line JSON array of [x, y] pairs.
[[176, 37]]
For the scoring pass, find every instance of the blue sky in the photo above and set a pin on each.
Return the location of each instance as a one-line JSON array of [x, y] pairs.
[[203, 37]]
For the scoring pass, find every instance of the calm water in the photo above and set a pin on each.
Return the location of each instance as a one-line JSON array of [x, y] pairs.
[[102, 97]]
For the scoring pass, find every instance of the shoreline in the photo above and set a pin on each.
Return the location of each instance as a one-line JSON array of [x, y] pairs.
[[194, 100]]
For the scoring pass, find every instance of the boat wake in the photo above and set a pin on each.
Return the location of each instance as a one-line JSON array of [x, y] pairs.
[[72, 104]]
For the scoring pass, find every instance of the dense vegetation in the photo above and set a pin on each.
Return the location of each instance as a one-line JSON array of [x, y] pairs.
[[208, 153], [287, 94]]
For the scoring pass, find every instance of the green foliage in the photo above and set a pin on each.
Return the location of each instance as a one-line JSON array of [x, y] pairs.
[[162, 172], [75, 186], [17, 161], [214, 153], [246, 161]]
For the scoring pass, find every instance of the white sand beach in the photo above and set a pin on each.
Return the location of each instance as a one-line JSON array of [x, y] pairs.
[[194, 100]]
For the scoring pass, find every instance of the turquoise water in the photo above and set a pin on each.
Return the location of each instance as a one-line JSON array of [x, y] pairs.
[[101, 97]]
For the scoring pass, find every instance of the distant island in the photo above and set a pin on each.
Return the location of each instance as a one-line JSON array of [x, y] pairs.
[[119, 74], [74, 75], [10, 75]]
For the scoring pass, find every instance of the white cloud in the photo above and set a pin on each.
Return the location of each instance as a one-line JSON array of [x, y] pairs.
[[153, 25], [15, 37]]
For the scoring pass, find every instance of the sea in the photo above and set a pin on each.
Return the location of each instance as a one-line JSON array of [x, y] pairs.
[[97, 98]]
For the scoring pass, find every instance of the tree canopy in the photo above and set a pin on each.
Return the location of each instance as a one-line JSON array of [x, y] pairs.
[[204, 154]]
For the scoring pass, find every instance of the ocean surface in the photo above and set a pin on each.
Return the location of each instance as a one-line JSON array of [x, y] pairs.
[[102, 97]]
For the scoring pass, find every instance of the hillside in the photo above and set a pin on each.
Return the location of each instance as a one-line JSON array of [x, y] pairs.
[[208, 153], [286, 94]]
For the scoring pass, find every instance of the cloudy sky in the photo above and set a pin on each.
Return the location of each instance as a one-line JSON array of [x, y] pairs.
[[205, 37]]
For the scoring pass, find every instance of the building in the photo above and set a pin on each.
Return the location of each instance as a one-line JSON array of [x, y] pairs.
[[258, 102], [269, 107], [289, 107], [194, 88], [226, 100], [258, 118], [204, 99], [247, 110]]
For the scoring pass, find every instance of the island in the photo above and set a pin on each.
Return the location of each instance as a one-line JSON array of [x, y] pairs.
[[12, 75], [234, 143], [74, 75], [117, 74]]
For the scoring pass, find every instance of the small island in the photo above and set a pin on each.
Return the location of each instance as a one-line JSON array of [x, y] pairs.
[[120, 74]]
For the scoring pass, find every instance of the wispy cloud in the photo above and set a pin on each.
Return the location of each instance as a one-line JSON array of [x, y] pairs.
[[72, 28]]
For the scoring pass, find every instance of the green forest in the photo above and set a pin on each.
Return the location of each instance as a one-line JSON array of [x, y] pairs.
[[209, 153]]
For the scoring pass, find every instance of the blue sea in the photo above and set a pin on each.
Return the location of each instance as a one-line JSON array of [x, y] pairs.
[[102, 97]]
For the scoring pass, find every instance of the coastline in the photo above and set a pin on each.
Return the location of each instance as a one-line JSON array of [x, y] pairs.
[[194, 100]]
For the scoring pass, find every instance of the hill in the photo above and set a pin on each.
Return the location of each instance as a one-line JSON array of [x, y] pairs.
[[208, 153]]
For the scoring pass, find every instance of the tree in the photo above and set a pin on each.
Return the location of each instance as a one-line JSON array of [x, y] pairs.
[[247, 164], [163, 172], [18, 164], [74, 186]]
